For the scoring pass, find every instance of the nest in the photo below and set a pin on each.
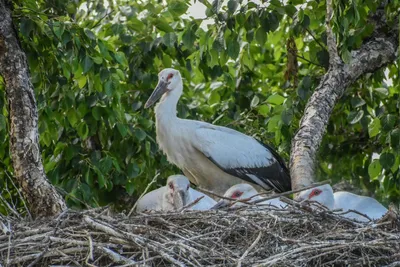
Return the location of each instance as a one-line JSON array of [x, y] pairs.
[[248, 236]]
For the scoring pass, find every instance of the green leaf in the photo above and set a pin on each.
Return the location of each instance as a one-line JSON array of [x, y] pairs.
[[177, 8], [163, 25], [374, 127], [357, 102], [355, 116], [140, 134], [255, 101], [273, 123], [188, 38], [89, 34], [120, 57], [395, 138], [387, 160], [130, 187], [263, 110], [83, 130], [374, 169], [214, 98], [233, 48], [275, 99], [105, 164], [287, 116], [133, 170], [3, 123], [96, 112], [87, 64], [72, 117], [388, 121], [169, 39], [261, 36], [382, 92], [122, 129], [232, 6], [81, 81]]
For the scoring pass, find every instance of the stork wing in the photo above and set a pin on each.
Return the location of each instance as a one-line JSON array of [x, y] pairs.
[[243, 156]]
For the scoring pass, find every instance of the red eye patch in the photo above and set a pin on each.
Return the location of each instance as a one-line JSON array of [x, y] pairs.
[[314, 193], [170, 76], [236, 194]]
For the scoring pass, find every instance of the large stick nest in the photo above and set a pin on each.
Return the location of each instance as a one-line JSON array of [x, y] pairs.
[[241, 237]]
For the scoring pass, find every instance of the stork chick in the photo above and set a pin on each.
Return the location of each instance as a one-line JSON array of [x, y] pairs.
[[346, 201], [244, 192], [175, 195]]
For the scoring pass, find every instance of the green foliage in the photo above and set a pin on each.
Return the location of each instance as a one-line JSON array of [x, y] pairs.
[[94, 64]]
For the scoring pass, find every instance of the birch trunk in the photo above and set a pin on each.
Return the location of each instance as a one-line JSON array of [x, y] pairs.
[[379, 51], [42, 197]]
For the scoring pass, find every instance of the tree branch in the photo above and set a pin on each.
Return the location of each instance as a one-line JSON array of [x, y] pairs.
[[334, 58], [42, 197], [374, 54]]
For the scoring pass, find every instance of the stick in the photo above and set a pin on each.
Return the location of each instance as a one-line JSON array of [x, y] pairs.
[[144, 192], [249, 249]]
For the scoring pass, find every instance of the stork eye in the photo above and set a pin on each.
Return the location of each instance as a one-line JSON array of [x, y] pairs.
[[171, 185], [237, 194], [315, 192], [170, 76], [187, 188]]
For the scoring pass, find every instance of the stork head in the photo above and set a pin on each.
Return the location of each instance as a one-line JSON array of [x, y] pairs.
[[239, 191], [322, 194], [168, 81], [178, 190]]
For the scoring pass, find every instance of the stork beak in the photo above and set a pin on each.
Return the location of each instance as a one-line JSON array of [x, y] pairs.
[[161, 88], [220, 204], [179, 199]]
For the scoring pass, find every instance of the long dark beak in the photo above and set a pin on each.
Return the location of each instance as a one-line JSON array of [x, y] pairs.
[[220, 204], [179, 199], [161, 88]]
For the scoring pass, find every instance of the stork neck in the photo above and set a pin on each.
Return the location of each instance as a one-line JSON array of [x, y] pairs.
[[167, 106]]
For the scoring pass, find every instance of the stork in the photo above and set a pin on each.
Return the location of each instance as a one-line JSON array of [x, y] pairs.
[[246, 191], [212, 157], [175, 195], [346, 201]]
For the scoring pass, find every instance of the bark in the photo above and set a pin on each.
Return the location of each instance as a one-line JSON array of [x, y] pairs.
[[377, 52], [42, 197]]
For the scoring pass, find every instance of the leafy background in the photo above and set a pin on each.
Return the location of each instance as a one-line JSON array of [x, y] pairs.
[[94, 64]]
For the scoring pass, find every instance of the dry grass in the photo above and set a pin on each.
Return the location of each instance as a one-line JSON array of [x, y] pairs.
[[248, 236]]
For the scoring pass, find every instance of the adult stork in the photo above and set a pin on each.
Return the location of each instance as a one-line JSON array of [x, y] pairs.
[[212, 157], [243, 192], [175, 195], [346, 201]]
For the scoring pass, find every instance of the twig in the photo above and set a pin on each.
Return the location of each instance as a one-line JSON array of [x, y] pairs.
[[144, 192], [115, 256], [249, 249], [292, 191], [191, 204]]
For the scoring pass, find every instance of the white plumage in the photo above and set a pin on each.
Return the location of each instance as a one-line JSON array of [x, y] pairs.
[[212, 157], [175, 195], [345, 201], [246, 191]]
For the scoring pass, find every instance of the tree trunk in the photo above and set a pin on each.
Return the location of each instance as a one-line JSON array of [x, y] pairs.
[[379, 51], [42, 197]]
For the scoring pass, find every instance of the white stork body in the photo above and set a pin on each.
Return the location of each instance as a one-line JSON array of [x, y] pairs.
[[246, 191], [212, 157], [175, 195], [345, 201]]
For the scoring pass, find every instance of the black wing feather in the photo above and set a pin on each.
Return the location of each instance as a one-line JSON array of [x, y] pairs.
[[275, 175]]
